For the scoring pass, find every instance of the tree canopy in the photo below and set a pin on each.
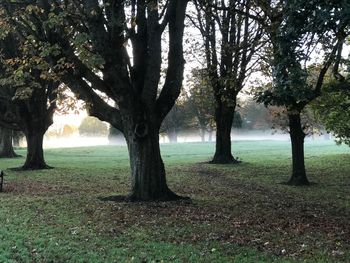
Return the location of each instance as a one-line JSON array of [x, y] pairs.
[[91, 126], [333, 110]]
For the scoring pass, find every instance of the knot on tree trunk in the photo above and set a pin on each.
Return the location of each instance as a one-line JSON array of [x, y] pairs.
[[141, 130]]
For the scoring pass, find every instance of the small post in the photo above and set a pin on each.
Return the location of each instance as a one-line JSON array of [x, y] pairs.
[[1, 179]]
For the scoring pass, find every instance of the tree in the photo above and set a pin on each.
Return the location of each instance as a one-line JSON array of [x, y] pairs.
[[6, 147], [295, 29], [333, 110], [231, 39], [178, 119], [27, 99], [202, 103], [255, 115], [91, 126], [201, 99], [114, 48], [68, 130]]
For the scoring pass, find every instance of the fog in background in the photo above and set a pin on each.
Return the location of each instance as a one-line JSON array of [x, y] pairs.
[[79, 130], [77, 140]]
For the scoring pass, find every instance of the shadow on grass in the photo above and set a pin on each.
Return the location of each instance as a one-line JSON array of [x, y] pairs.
[[310, 184], [24, 169], [127, 198]]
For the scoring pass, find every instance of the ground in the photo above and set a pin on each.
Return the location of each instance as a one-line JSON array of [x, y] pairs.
[[239, 213]]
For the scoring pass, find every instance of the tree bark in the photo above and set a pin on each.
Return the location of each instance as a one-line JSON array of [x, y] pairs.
[[223, 118], [35, 153], [6, 147], [147, 167], [297, 136]]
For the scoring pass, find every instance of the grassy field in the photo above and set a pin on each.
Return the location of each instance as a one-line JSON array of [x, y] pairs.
[[239, 213]]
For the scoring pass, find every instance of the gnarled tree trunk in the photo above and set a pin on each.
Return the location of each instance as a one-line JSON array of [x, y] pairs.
[[6, 147], [147, 167], [223, 118], [297, 136]]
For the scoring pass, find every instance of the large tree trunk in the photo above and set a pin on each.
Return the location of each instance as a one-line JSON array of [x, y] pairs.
[[223, 118], [6, 148], [147, 168], [297, 136], [35, 153]]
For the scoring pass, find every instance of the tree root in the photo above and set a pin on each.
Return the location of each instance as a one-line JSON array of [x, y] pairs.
[[31, 168], [225, 160]]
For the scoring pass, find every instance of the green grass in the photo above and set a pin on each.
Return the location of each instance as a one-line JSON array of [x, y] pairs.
[[239, 213]]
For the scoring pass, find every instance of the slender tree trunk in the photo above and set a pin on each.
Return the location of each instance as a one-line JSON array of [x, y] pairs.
[[147, 168], [297, 136], [35, 153], [6, 147], [202, 132], [223, 118]]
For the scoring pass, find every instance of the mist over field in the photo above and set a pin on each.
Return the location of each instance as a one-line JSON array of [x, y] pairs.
[[77, 140]]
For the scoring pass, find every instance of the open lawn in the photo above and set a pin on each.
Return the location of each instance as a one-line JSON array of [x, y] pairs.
[[239, 213]]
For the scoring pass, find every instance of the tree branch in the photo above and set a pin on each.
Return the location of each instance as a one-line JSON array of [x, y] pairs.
[[154, 56], [174, 75], [96, 106]]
